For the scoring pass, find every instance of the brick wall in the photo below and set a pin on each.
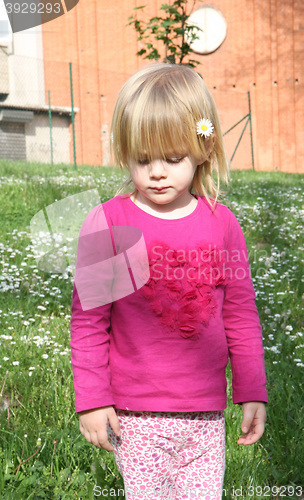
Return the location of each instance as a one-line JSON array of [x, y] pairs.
[[263, 54]]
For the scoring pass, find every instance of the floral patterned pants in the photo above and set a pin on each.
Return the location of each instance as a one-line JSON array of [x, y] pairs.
[[169, 456]]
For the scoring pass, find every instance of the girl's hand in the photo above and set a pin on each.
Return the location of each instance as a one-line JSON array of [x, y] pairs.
[[253, 425], [93, 426]]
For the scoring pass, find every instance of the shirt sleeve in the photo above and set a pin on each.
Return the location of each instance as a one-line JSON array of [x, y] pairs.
[[90, 342], [241, 322], [91, 314]]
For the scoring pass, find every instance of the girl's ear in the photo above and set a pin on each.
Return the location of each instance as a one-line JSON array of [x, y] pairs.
[[209, 146]]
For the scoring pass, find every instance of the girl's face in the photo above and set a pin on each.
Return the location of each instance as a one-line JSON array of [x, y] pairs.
[[164, 181]]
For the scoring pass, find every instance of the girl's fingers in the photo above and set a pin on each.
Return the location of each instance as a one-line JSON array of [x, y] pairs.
[[114, 423], [93, 426], [248, 439], [99, 440], [87, 436], [104, 443], [253, 435]]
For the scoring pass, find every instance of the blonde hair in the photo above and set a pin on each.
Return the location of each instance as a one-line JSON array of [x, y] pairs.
[[156, 115]]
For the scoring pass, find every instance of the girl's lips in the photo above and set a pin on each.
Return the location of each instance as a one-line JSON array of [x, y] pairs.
[[160, 189]]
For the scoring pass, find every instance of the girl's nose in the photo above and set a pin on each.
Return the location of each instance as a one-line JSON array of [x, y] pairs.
[[157, 169]]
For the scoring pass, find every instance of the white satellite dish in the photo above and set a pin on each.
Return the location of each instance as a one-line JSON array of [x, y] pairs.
[[212, 32]]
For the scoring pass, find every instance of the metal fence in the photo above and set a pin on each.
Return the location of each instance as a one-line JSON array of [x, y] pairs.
[[56, 112]]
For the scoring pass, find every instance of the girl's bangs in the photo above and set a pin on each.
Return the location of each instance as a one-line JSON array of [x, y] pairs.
[[158, 140], [160, 127]]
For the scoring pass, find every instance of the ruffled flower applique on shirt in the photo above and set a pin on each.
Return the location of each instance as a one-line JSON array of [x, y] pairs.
[[181, 288]]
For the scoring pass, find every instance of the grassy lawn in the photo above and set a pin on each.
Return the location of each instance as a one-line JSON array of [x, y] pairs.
[[42, 454]]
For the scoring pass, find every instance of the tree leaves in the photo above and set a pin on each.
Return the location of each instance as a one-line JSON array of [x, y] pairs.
[[171, 29]]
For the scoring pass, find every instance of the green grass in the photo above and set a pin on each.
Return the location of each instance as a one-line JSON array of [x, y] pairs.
[[42, 454]]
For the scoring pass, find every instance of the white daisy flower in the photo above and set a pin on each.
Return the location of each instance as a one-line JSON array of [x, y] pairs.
[[204, 127]]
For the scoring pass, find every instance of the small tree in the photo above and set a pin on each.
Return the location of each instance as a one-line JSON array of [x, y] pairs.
[[172, 30]]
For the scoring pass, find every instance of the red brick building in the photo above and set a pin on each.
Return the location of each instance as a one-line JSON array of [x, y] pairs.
[[263, 53]]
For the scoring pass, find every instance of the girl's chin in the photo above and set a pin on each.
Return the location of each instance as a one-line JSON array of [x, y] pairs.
[[161, 198]]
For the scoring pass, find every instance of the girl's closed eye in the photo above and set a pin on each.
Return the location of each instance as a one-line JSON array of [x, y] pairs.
[[143, 161], [175, 159], [170, 160]]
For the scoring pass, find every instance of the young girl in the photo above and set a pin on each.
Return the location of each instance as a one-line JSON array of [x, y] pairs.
[[149, 359]]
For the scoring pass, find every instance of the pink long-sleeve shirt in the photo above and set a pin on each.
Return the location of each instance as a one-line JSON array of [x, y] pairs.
[[164, 345]]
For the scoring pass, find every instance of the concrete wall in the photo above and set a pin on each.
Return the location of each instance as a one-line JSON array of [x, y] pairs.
[[37, 139], [26, 69]]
